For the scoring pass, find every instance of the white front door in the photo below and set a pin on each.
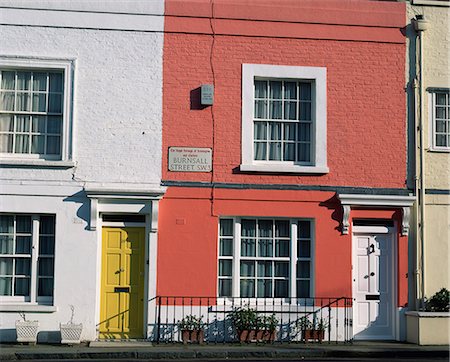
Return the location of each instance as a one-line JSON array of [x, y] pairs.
[[373, 281]]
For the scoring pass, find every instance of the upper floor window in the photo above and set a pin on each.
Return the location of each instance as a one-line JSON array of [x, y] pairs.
[[27, 247], [284, 119], [440, 107], [35, 109]]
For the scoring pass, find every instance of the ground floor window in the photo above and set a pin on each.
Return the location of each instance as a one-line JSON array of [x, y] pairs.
[[265, 258], [27, 245]]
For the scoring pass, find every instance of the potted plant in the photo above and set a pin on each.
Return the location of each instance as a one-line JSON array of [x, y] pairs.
[[26, 330], [71, 332], [312, 330], [266, 331], [191, 328], [245, 322]]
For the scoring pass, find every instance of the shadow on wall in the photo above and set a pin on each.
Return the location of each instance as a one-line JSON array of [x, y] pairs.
[[83, 211], [335, 205], [10, 336]]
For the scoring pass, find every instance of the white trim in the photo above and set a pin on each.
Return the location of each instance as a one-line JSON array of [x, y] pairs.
[[445, 3], [317, 75], [372, 229], [35, 308], [67, 66], [35, 163], [428, 314]]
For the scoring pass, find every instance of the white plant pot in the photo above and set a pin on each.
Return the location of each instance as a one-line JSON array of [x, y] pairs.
[[71, 333], [27, 331]]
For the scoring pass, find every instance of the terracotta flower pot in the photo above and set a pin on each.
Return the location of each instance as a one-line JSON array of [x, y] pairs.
[[313, 334], [193, 336]]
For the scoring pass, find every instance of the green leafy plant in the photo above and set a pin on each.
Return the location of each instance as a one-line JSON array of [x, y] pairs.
[[439, 302], [320, 324], [244, 318], [268, 323], [191, 323]]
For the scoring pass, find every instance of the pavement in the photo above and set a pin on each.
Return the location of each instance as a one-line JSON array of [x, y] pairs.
[[147, 351]]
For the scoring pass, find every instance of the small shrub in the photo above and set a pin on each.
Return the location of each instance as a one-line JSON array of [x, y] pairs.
[[190, 323], [439, 302]]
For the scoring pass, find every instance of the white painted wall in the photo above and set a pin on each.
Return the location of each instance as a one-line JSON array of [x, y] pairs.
[[117, 121]]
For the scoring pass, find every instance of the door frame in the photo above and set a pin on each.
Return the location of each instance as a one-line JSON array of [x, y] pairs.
[[374, 230]]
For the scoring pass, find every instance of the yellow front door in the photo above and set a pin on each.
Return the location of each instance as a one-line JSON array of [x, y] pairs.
[[122, 284]]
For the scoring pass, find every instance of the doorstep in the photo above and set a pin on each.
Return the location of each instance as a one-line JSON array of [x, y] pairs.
[[119, 343]]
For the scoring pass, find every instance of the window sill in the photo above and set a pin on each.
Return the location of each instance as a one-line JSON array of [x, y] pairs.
[[36, 163], [439, 150], [285, 168], [28, 308]]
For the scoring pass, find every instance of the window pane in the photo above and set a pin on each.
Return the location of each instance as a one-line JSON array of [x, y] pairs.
[[289, 152], [39, 81], [226, 247], [6, 266], [265, 247], [23, 102], [6, 224], [56, 82], [282, 248], [441, 98], [7, 101], [265, 269], [54, 124], [45, 287], [23, 245], [275, 130], [224, 287], [39, 103], [38, 144], [282, 269], [22, 286], [441, 112], [282, 228], [265, 228], [6, 244], [23, 266], [47, 224], [304, 249], [303, 269], [290, 110], [275, 151], [24, 80], [275, 110], [305, 91], [6, 143], [248, 228], [304, 229], [247, 288], [260, 131], [53, 145], [260, 89], [45, 267], [5, 286], [281, 288], [441, 140], [261, 109], [225, 268], [54, 103], [8, 80], [290, 90], [264, 288], [275, 90], [441, 126], [289, 131], [248, 247], [46, 245], [22, 144], [23, 224], [6, 123], [304, 132], [304, 152], [247, 268], [305, 111], [303, 289], [38, 124], [260, 150]]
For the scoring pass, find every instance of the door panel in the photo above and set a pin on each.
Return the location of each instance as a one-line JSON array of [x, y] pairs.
[[122, 289], [372, 286]]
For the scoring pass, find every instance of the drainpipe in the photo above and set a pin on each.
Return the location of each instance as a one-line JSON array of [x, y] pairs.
[[420, 25]]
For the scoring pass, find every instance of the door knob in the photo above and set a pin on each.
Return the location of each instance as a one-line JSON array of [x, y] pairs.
[[372, 274]]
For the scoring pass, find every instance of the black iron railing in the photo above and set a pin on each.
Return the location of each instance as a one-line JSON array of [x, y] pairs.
[[293, 317]]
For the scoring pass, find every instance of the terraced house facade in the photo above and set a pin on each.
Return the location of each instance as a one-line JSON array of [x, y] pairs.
[[204, 156]]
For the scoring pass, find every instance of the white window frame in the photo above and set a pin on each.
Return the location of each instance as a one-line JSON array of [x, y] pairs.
[[45, 64], [432, 119], [294, 257], [315, 75], [33, 298]]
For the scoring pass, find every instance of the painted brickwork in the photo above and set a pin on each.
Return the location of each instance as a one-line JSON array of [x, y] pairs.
[[365, 90]]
